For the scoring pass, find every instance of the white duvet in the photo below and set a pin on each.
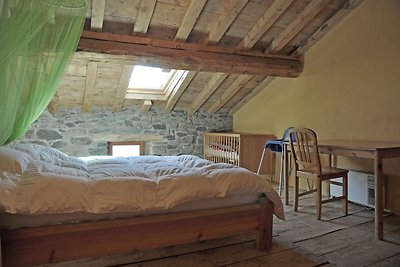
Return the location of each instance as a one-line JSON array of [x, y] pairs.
[[51, 185]]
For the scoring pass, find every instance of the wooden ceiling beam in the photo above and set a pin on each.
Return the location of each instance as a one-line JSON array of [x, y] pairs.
[[317, 35], [190, 18], [261, 86], [311, 10], [188, 59], [144, 17], [208, 90], [178, 90], [98, 7], [327, 26], [225, 20], [90, 85], [270, 16], [123, 84], [158, 43], [229, 93]]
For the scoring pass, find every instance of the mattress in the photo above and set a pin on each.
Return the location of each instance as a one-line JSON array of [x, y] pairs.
[[22, 220]]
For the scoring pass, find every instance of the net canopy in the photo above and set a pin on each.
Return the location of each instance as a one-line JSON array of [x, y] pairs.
[[37, 39]]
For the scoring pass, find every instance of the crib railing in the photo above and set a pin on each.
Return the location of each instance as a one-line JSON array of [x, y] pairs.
[[222, 147]]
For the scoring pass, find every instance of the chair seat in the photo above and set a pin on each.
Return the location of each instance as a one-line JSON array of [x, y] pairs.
[[327, 172], [276, 145]]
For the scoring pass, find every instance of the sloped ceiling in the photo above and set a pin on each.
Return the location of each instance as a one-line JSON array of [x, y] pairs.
[[232, 48]]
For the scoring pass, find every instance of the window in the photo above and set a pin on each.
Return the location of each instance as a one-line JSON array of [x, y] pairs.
[[149, 78], [151, 83], [126, 149]]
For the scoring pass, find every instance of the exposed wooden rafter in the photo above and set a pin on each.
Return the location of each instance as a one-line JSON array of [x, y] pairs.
[[254, 92], [263, 24], [145, 13], [296, 25], [91, 76], [225, 20], [146, 106], [272, 14], [166, 54], [230, 92], [121, 89], [178, 90], [333, 21], [208, 90], [190, 18], [98, 7], [232, 10], [327, 26]]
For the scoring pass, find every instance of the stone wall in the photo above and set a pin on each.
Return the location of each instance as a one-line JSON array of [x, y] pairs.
[[82, 134]]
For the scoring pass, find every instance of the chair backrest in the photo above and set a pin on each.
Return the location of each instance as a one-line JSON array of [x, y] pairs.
[[304, 148], [286, 134]]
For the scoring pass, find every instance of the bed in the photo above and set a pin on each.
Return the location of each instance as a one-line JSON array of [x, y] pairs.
[[58, 208]]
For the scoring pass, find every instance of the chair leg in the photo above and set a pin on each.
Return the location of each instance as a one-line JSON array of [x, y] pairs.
[[318, 201], [296, 193], [261, 161], [272, 177], [281, 174], [345, 194]]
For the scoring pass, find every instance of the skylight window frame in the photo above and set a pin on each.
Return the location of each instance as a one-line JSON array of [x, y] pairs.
[[155, 90], [156, 94], [155, 83]]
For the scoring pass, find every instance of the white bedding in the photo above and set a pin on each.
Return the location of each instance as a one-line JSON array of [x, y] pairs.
[[53, 183]]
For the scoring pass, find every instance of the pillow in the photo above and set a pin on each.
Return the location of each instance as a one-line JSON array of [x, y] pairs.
[[13, 161], [39, 152], [52, 152], [30, 149]]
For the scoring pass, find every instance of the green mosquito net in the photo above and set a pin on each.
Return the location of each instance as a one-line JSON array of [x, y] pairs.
[[37, 39]]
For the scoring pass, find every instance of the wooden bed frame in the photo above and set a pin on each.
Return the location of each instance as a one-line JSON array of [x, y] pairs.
[[56, 243]]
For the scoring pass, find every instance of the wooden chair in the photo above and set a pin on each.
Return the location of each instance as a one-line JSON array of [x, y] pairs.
[[304, 148]]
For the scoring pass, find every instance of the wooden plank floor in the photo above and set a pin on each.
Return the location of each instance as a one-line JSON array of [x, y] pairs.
[[301, 240]]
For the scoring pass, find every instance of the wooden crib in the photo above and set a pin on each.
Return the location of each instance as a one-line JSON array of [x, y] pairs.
[[239, 149]]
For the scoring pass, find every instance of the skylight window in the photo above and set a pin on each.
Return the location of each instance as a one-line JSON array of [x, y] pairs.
[[149, 78], [150, 83]]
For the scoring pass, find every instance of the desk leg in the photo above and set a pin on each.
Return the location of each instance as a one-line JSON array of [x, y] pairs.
[[286, 173], [378, 169]]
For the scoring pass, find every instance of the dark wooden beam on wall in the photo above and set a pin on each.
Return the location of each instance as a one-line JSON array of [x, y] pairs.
[[175, 55]]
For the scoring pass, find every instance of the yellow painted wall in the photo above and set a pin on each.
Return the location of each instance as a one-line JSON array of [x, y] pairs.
[[349, 90]]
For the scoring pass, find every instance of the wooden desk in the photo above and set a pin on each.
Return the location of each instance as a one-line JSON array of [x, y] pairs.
[[378, 151]]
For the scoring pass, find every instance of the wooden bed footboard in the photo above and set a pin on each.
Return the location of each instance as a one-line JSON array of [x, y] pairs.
[[56, 243]]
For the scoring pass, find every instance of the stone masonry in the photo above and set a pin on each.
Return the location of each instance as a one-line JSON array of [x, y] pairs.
[[73, 131]]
